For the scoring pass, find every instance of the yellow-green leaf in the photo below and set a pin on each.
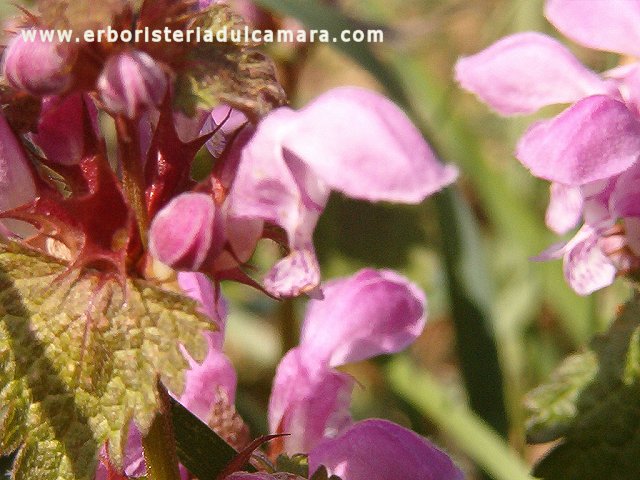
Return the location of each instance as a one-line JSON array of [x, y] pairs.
[[79, 359]]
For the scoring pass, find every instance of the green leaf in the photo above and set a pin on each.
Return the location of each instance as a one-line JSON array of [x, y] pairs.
[[602, 440], [80, 358], [552, 407], [298, 464], [236, 74], [200, 449]]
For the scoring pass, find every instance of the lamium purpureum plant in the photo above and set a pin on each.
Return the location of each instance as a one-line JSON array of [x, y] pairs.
[[110, 267], [589, 153]]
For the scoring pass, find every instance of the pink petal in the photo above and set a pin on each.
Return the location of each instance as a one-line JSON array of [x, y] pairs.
[[17, 186], [133, 461], [132, 82], [206, 382], [269, 187], [382, 450], [627, 81], [134, 464], [226, 121], [612, 26], [243, 235], [368, 314], [362, 144], [523, 72], [565, 208], [38, 67], [586, 267], [198, 286], [308, 402], [594, 139], [181, 234], [624, 200], [297, 273]]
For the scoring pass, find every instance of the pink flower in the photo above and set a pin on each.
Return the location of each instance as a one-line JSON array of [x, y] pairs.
[[368, 314], [205, 383], [182, 233], [38, 67], [382, 450], [350, 140], [132, 82], [310, 398], [586, 149], [282, 172]]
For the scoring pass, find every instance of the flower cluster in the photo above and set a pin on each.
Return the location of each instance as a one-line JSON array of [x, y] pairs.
[[590, 151], [141, 214]]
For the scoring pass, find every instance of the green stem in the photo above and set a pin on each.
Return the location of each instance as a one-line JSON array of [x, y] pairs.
[[132, 174], [288, 325], [160, 445], [470, 433]]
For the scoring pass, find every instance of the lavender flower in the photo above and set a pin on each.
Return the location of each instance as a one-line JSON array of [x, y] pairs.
[[588, 151]]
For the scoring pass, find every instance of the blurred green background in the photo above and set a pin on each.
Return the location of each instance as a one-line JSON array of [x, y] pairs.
[[498, 322]]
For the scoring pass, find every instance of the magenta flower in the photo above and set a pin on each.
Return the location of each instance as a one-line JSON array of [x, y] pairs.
[[310, 399], [368, 314], [132, 82], [589, 149], [214, 380], [38, 67], [350, 140], [282, 172], [382, 450], [182, 232]]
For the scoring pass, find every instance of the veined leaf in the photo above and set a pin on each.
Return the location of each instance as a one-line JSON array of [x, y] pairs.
[[602, 440], [234, 73], [80, 358], [552, 407]]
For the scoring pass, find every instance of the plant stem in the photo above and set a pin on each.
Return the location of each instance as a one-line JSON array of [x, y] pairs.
[[132, 174], [159, 444], [288, 325]]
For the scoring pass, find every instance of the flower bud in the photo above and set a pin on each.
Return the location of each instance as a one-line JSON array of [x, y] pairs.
[[38, 67], [16, 182], [132, 82], [61, 128], [182, 233]]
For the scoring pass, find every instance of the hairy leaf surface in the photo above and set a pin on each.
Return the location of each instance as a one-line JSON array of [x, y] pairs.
[[79, 359], [229, 72], [595, 407]]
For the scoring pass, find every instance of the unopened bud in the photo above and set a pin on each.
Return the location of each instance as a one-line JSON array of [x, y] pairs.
[[182, 233], [61, 128], [38, 67], [132, 82]]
